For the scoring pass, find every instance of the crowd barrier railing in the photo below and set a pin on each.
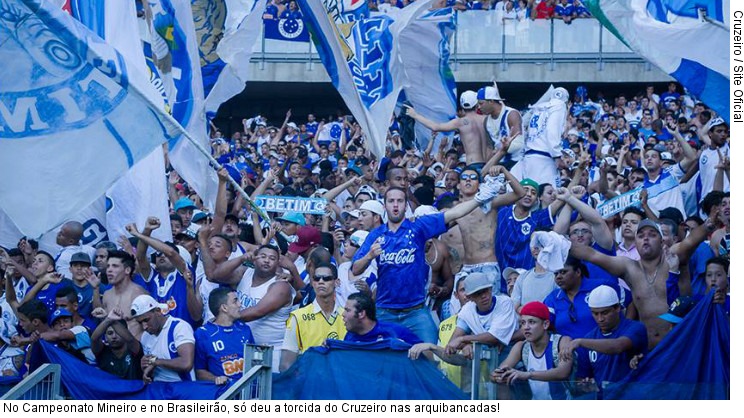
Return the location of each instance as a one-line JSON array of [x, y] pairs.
[[484, 36], [256, 380], [42, 384]]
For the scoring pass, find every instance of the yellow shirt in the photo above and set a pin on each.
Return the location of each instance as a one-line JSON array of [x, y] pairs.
[[311, 328], [446, 329]]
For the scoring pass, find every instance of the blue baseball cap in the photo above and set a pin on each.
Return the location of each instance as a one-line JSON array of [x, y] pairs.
[[184, 203], [59, 313], [293, 217], [678, 309]]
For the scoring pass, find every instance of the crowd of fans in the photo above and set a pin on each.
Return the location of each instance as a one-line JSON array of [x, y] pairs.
[[438, 247]]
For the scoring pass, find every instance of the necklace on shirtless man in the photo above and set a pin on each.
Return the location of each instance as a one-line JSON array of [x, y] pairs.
[[656, 274]]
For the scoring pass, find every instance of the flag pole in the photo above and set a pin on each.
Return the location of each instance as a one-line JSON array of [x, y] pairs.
[[212, 162]]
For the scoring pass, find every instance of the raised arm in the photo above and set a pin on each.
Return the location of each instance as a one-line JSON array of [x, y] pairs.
[[220, 207], [600, 230], [616, 266], [334, 192], [173, 255], [517, 192], [690, 155], [452, 125], [278, 295]]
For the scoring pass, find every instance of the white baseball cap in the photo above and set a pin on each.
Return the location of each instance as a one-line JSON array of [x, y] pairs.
[[143, 304], [358, 237], [373, 206], [468, 99], [424, 210], [489, 93], [602, 297]]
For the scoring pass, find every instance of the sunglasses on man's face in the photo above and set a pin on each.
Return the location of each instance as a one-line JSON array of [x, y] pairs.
[[324, 278], [468, 176]]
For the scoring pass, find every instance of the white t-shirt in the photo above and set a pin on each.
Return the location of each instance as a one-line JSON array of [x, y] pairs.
[[664, 191], [501, 321], [160, 347], [707, 164]]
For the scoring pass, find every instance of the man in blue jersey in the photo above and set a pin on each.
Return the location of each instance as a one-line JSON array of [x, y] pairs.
[[515, 226], [360, 320], [591, 229], [170, 281], [219, 344], [398, 247], [612, 344]]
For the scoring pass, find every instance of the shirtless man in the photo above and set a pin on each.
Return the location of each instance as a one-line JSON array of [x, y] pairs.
[[119, 272], [471, 127], [648, 276], [478, 226], [501, 121]]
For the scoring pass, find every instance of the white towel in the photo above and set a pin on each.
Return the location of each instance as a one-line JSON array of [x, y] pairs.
[[554, 249], [496, 183]]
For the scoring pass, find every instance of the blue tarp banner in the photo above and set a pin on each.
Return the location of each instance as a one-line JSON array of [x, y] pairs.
[[691, 362], [84, 382], [378, 370]]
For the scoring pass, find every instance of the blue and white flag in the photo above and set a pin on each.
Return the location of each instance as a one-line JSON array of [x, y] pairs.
[[142, 191], [226, 31], [331, 132], [430, 84], [362, 57], [286, 29], [173, 45], [669, 34], [73, 116]]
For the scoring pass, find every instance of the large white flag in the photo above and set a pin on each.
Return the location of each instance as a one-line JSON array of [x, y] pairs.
[[671, 35], [226, 32], [175, 53], [142, 191], [73, 116], [362, 57]]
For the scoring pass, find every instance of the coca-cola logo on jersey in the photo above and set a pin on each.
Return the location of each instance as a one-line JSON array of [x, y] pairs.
[[404, 256]]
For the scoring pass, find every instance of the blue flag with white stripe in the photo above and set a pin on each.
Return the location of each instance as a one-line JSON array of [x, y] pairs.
[[362, 56], [671, 35], [73, 116]]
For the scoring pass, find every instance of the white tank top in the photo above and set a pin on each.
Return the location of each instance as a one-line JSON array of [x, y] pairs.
[[268, 330], [540, 390], [499, 127]]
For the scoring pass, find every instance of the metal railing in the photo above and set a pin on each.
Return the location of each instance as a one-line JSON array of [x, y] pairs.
[[484, 36], [485, 359], [256, 380], [42, 384]]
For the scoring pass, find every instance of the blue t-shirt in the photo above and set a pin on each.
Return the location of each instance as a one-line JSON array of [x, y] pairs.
[[85, 300], [385, 330], [702, 254], [49, 295], [513, 238], [219, 350], [170, 290], [574, 319], [614, 367], [402, 272]]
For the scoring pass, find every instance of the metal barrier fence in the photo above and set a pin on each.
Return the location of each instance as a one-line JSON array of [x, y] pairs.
[[484, 36], [42, 384], [256, 380]]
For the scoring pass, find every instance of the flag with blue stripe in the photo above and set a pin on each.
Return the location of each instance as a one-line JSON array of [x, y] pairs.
[[134, 197], [362, 57], [74, 115], [671, 35], [289, 28], [430, 83], [175, 54], [226, 32]]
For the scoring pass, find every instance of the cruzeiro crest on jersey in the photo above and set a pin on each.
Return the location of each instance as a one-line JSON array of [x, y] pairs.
[[526, 228]]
